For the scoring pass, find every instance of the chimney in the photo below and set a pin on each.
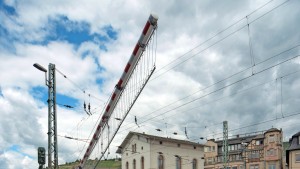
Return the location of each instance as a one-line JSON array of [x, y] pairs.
[[237, 136]]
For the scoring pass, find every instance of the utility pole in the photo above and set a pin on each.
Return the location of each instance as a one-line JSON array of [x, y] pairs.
[[52, 119], [225, 144]]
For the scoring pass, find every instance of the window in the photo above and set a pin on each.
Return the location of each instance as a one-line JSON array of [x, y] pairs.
[[127, 165], [254, 166], [194, 164], [209, 160], [178, 145], [271, 138], [238, 157], [241, 166], [178, 163], [133, 148], [160, 142], [234, 167], [298, 139], [134, 164], [160, 162], [257, 142], [271, 152], [142, 163], [209, 148], [272, 166], [297, 157], [254, 154]]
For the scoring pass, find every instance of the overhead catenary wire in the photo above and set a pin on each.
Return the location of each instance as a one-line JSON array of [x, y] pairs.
[[295, 113], [213, 101], [215, 35], [77, 86], [250, 125], [224, 79], [225, 37], [219, 89]]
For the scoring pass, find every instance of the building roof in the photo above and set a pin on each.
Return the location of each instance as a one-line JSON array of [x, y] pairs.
[[296, 135], [294, 144], [130, 134], [247, 139], [272, 130], [238, 140]]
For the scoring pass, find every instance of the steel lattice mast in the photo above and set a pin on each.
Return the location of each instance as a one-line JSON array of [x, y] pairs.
[[137, 53], [225, 144], [52, 119]]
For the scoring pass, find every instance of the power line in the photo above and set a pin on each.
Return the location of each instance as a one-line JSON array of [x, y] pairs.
[[213, 44], [76, 85], [218, 33], [262, 122], [281, 77], [240, 80], [222, 80]]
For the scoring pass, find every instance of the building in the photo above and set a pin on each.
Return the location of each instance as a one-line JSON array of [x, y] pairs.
[[261, 150], [293, 152], [143, 151]]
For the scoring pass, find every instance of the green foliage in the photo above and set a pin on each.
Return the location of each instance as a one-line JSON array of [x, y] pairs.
[[109, 163]]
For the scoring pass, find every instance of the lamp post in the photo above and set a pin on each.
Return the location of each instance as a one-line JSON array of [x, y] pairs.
[[52, 118]]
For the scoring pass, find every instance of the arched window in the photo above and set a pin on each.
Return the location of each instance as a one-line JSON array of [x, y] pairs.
[[142, 163], [127, 165], [194, 164], [178, 163], [134, 164], [160, 162]]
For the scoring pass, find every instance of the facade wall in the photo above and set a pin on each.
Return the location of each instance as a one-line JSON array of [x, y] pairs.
[[153, 148], [293, 164], [261, 152], [142, 150], [168, 150]]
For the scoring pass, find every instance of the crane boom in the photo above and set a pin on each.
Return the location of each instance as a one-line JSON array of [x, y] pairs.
[[138, 50]]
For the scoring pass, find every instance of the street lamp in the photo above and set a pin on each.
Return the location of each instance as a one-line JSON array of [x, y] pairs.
[[41, 68], [52, 118]]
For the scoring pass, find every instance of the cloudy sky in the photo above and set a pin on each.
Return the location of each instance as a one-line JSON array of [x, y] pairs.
[[215, 61]]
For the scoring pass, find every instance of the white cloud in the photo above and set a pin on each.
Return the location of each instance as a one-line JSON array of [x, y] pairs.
[[182, 25]]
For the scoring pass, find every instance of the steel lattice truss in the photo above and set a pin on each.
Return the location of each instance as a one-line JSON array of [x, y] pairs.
[[137, 72]]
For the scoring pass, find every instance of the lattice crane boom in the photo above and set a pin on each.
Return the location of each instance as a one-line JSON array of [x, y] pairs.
[[140, 47]]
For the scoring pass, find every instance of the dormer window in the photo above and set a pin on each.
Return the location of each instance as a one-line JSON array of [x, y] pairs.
[[299, 140]]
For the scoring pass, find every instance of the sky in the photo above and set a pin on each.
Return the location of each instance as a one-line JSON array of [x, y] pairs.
[[216, 61]]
